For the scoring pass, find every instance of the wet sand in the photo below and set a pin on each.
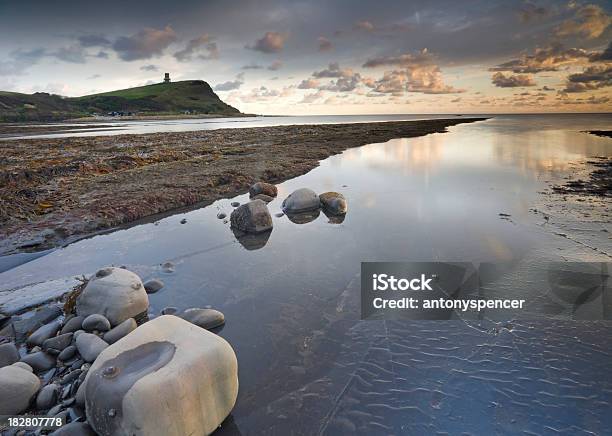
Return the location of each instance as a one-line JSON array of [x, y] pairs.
[[56, 190]]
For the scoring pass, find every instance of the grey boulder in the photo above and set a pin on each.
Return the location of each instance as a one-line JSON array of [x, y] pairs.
[[167, 377], [154, 285], [333, 203], [301, 200], [39, 361], [43, 333], [252, 217], [96, 322], [8, 354], [47, 397], [90, 346], [116, 293], [120, 331], [18, 387], [205, 318], [67, 353], [263, 188], [73, 324], [56, 344]]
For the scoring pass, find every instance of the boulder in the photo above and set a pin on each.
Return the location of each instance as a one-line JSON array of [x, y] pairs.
[[205, 318], [96, 322], [18, 387], [333, 203], [8, 354], [263, 188], [43, 333], [67, 353], [73, 324], [56, 344], [120, 331], [154, 285], [252, 217], [39, 361], [301, 200], [167, 377], [116, 293], [90, 346]]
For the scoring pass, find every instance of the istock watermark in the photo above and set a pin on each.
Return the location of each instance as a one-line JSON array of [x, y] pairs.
[[498, 291]]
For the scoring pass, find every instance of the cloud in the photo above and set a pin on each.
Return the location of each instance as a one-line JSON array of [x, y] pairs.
[[334, 70], [21, 60], [94, 41], [309, 84], [271, 42], [231, 85], [276, 65], [594, 77], [145, 44], [364, 25], [149, 67], [324, 44], [95, 76], [602, 56], [252, 67], [544, 59], [101, 55], [417, 73], [73, 54], [530, 12], [343, 84], [197, 45], [312, 97], [501, 80], [590, 22]]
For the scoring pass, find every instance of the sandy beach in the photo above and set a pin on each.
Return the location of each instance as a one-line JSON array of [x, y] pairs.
[[55, 190]]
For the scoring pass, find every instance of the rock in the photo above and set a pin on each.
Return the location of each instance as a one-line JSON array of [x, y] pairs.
[[116, 293], [47, 397], [171, 310], [152, 286], [67, 353], [301, 200], [304, 217], [96, 322], [252, 217], [39, 361], [4, 320], [90, 346], [8, 354], [333, 203], [221, 215], [184, 221], [263, 188], [43, 333], [235, 204], [279, 215], [263, 197], [205, 318], [74, 429], [168, 267], [56, 344], [120, 331], [167, 377], [73, 324], [77, 333], [24, 326], [23, 365], [17, 388]]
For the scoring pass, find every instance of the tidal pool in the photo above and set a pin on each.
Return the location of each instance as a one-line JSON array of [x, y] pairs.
[[308, 365]]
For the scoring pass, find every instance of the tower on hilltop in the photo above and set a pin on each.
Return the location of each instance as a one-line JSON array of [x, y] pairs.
[[167, 78]]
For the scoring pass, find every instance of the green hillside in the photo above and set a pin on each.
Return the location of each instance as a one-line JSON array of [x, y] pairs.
[[195, 96]]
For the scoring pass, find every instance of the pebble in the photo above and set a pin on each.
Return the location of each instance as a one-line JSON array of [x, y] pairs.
[[67, 353], [73, 324], [205, 318], [8, 354], [43, 333], [77, 364], [235, 204], [71, 376], [56, 344], [96, 322], [184, 221], [221, 215], [47, 397], [120, 331], [90, 346], [168, 267], [171, 310], [54, 410], [154, 285], [279, 215], [39, 361]]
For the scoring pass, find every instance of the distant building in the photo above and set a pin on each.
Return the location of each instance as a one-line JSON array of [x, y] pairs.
[[167, 78]]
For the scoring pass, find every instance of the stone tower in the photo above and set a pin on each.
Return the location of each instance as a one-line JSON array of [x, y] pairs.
[[167, 78]]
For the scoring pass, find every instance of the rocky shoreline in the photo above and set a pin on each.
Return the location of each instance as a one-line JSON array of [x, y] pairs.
[[54, 191]]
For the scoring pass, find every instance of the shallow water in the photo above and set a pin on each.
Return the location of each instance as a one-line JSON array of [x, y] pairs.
[[307, 364]]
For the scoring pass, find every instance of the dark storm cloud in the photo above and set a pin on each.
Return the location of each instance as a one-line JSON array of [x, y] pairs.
[[271, 42], [590, 22], [20, 60], [502, 80], [544, 59], [144, 44], [592, 78], [97, 40]]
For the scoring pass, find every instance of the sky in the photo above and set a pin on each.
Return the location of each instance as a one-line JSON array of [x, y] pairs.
[[321, 56]]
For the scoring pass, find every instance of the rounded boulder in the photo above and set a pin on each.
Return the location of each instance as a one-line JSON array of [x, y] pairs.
[[252, 217], [301, 200], [116, 293], [18, 387], [263, 188]]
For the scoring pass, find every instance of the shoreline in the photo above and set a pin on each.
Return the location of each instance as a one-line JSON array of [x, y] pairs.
[[82, 186]]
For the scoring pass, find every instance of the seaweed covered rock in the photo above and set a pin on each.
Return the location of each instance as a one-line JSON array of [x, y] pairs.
[[116, 293], [301, 200], [263, 188], [252, 217], [167, 377]]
